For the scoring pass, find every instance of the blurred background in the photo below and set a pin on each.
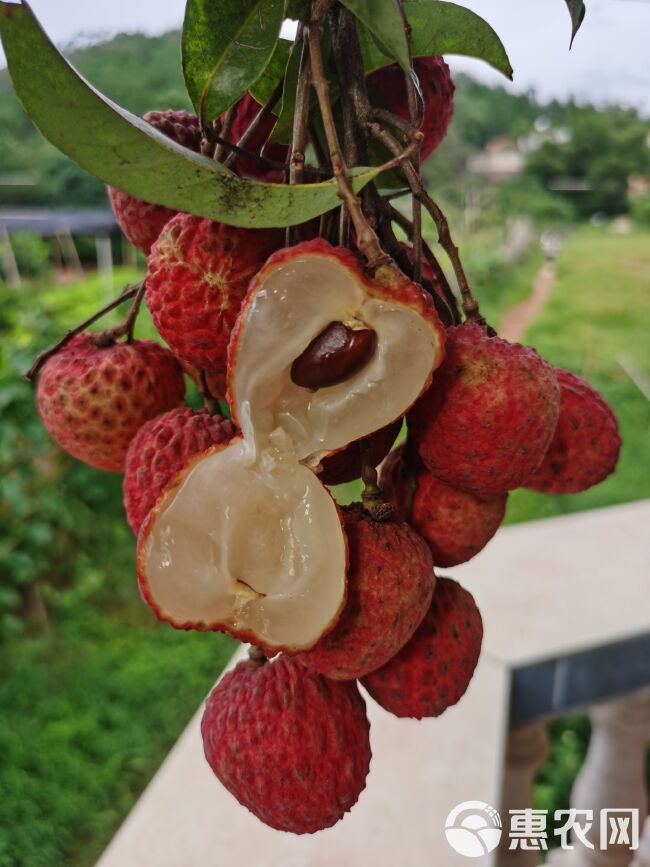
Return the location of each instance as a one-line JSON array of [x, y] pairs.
[[546, 183]]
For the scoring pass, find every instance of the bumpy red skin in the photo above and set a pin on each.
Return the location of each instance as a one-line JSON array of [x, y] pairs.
[[586, 444], [245, 112], [437, 88], [456, 525], [345, 466], [292, 746], [140, 221], [197, 275], [160, 449], [390, 584], [387, 284], [489, 416], [432, 672], [94, 400]]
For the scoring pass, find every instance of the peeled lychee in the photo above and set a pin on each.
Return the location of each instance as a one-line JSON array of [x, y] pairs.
[[490, 413], [245, 112], [586, 443], [345, 466], [390, 582], [434, 669], [437, 88], [160, 449], [197, 275], [140, 221], [93, 398], [291, 745], [456, 524]]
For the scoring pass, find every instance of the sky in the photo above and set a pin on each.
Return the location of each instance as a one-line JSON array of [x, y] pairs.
[[609, 62]]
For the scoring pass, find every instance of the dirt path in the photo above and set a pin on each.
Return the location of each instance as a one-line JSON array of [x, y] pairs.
[[516, 320]]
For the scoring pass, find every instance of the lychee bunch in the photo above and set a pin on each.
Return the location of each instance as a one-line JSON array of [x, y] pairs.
[[94, 394], [437, 89], [140, 221], [197, 275], [390, 583], [291, 745], [161, 448], [586, 443], [455, 524], [488, 418], [434, 669]]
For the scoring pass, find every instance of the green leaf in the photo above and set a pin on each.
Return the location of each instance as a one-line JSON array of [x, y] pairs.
[[225, 48], [283, 129], [383, 20], [123, 150], [274, 72], [439, 27], [577, 12]]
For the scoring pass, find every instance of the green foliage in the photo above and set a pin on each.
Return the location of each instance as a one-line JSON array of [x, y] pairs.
[[641, 210], [225, 48], [384, 28], [527, 196], [577, 13], [32, 254]]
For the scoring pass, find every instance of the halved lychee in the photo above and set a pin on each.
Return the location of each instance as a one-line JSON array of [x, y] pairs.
[[247, 538]]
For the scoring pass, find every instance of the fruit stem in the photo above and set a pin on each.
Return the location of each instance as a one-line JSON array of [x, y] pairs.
[[300, 133], [129, 291], [209, 401], [125, 329], [372, 497], [256, 123], [224, 133], [257, 655]]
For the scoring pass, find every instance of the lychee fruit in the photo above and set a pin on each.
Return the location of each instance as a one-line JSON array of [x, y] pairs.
[[197, 275], [345, 466], [455, 524], [140, 221], [437, 88], [93, 397], [245, 112], [291, 745], [433, 670], [487, 420], [586, 443], [390, 583], [160, 449]]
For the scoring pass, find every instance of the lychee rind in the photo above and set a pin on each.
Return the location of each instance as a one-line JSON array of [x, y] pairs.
[[490, 413], [291, 745], [390, 584], [437, 88], [455, 524], [586, 443], [160, 449], [345, 466], [93, 399], [434, 669], [140, 221], [197, 275]]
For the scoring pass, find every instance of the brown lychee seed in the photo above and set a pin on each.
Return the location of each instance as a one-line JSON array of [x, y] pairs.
[[333, 356], [455, 524], [488, 418], [586, 443], [345, 466], [160, 449], [95, 394], [140, 221], [433, 670], [390, 583], [290, 745]]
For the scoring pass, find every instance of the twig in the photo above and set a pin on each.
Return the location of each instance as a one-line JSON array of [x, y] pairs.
[[256, 123], [125, 329], [129, 291], [224, 133], [300, 133], [209, 401], [372, 496]]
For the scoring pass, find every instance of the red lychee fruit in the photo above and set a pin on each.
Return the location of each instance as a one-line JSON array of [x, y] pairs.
[[456, 525], [586, 443], [160, 449], [437, 87], [140, 221], [345, 466], [93, 398], [197, 275], [433, 670], [390, 583], [486, 421], [245, 112], [292, 746]]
